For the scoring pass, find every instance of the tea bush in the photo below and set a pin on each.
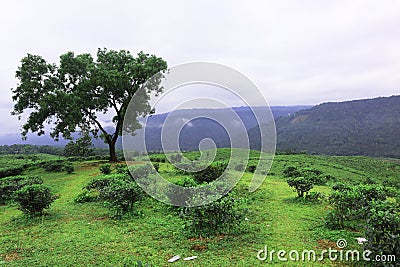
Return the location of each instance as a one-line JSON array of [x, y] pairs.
[[86, 196], [209, 174], [11, 184], [352, 203], [11, 171], [33, 199], [121, 169], [220, 216], [121, 195], [53, 166], [69, 168], [291, 171], [105, 168], [141, 172], [383, 231], [301, 185]]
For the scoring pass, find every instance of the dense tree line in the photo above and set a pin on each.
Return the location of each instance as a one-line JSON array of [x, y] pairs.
[[30, 149]]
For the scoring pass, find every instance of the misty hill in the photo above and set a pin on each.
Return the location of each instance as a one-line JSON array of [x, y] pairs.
[[200, 128], [368, 127], [190, 136]]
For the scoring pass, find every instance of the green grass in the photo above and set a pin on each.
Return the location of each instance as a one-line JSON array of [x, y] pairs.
[[72, 234]]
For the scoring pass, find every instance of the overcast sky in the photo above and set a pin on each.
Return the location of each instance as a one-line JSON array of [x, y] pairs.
[[296, 52]]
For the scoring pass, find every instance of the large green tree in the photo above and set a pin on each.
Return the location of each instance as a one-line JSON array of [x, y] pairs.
[[72, 94]]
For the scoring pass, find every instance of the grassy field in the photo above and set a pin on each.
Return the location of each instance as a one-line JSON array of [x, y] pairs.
[[72, 234]]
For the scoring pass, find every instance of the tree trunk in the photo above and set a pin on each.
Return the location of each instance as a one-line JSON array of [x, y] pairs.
[[113, 155]]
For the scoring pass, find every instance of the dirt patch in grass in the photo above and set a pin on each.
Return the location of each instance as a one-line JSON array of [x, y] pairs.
[[198, 247], [326, 244], [11, 256]]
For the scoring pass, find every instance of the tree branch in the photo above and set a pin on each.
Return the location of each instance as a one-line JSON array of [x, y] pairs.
[[99, 125]]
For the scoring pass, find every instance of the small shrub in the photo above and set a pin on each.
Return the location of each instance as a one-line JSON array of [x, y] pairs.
[[177, 158], [315, 196], [100, 182], [301, 185], [33, 199], [105, 168], [291, 171], [121, 169], [187, 182], [11, 184], [11, 171], [121, 195], [251, 168], [217, 217], [209, 174], [383, 231], [69, 168], [86, 196], [156, 166], [132, 262], [341, 187], [240, 167], [141, 172], [53, 166], [352, 203]]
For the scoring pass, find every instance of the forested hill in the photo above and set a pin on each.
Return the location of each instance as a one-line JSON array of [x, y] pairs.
[[368, 127]]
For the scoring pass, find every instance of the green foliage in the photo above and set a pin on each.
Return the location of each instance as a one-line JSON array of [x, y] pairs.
[[217, 217], [158, 158], [341, 187], [240, 167], [314, 175], [132, 262], [251, 168], [383, 230], [30, 149], [362, 127], [177, 158], [119, 192], [69, 168], [102, 181], [315, 196], [121, 169], [105, 168], [156, 166], [11, 184], [11, 171], [301, 185], [211, 173], [33, 199], [81, 148], [70, 94], [187, 182], [291, 171], [53, 166], [141, 172], [86, 196], [121, 195], [352, 203]]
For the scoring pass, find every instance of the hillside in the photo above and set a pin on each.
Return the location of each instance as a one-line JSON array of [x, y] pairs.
[[86, 234], [368, 127]]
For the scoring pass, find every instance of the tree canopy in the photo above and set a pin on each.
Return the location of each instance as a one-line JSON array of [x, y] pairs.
[[70, 96]]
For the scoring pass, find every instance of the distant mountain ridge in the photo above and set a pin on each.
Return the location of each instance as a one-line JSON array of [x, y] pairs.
[[190, 136], [369, 127]]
